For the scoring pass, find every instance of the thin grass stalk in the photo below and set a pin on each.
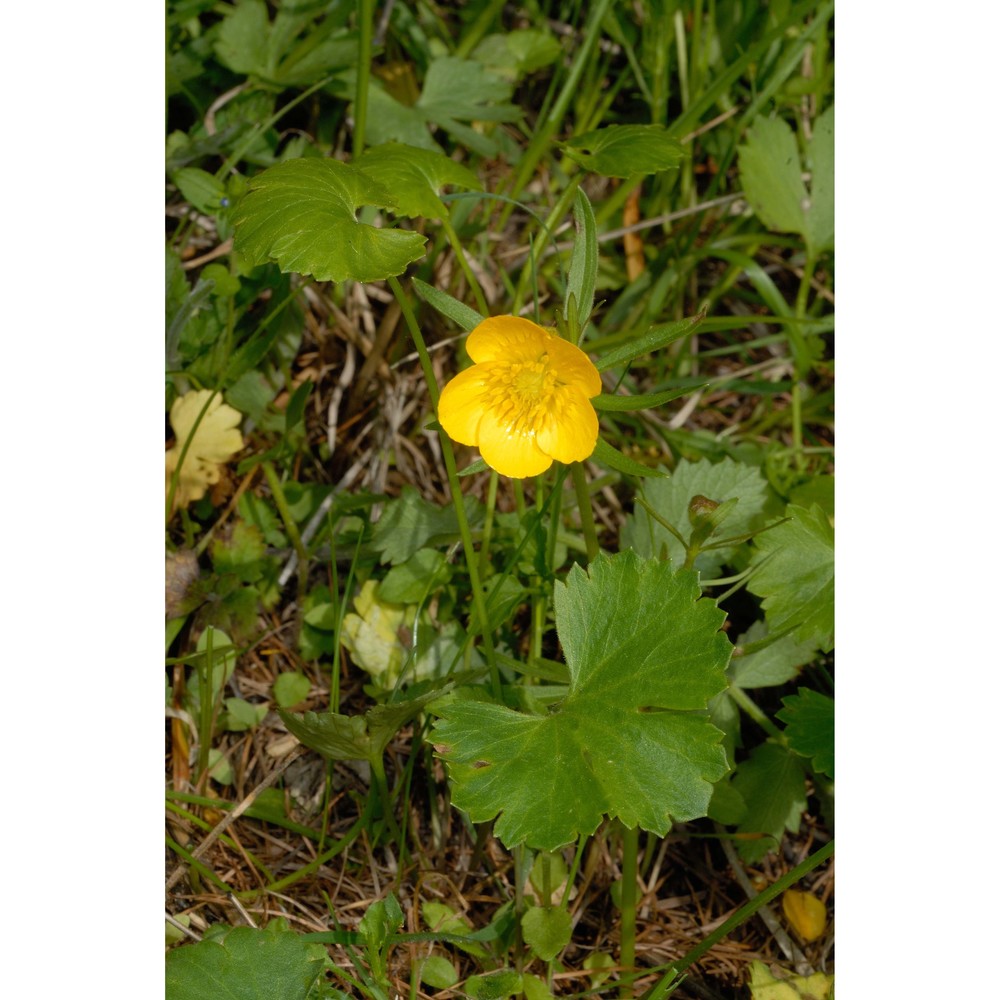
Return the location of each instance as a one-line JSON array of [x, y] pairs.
[[455, 487], [366, 16], [543, 135], [745, 912]]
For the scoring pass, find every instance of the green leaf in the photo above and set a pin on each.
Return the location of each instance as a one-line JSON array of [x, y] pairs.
[[820, 151], [777, 663], [290, 687], [355, 737], [626, 150], [583, 264], [647, 401], [630, 740], [245, 964], [494, 985], [301, 214], [808, 718], [241, 715], [794, 575], [652, 340], [334, 736], [461, 314], [416, 177], [412, 581], [773, 786], [455, 91], [411, 523], [610, 456], [249, 43], [201, 188], [512, 54], [437, 972], [670, 499], [771, 175], [547, 930]]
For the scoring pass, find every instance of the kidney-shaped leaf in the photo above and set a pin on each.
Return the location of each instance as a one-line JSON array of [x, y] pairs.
[[629, 741], [301, 213], [626, 150], [416, 176]]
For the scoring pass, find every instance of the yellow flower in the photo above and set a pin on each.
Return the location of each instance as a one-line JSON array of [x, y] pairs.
[[526, 400], [215, 441]]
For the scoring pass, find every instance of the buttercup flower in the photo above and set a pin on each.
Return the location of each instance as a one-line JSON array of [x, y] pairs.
[[216, 440], [525, 401]]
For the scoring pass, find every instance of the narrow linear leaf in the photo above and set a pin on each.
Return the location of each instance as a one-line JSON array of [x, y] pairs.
[[610, 456], [458, 312], [651, 341], [646, 401], [583, 264]]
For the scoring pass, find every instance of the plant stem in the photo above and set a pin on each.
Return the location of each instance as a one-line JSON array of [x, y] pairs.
[[471, 559], [750, 707], [366, 14], [288, 520], [463, 263], [630, 854], [586, 514]]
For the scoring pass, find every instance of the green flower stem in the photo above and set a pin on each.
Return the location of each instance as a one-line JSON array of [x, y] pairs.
[[366, 15], [630, 854], [749, 706], [471, 559], [463, 263], [491, 503], [801, 313], [291, 527], [538, 596], [586, 513], [745, 912]]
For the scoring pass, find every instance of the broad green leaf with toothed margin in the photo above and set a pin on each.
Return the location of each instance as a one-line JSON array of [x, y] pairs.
[[301, 214], [808, 717], [416, 177], [795, 575], [631, 740], [245, 964]]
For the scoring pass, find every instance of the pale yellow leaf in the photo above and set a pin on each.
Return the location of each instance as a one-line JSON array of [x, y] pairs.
[[214, 441]]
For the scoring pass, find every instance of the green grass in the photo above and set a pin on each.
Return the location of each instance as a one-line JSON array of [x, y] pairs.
[[428, 608]]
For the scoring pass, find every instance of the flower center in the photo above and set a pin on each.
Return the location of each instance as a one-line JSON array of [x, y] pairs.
[[524, 391]]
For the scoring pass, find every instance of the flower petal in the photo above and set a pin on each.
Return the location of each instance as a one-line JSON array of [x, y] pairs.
[[508, 339], [574, 367], [569, 431], [511, 453], [462, 404]]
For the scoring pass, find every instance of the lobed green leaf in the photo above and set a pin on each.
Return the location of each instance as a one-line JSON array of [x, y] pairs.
[[301, 214], [630, 740]]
